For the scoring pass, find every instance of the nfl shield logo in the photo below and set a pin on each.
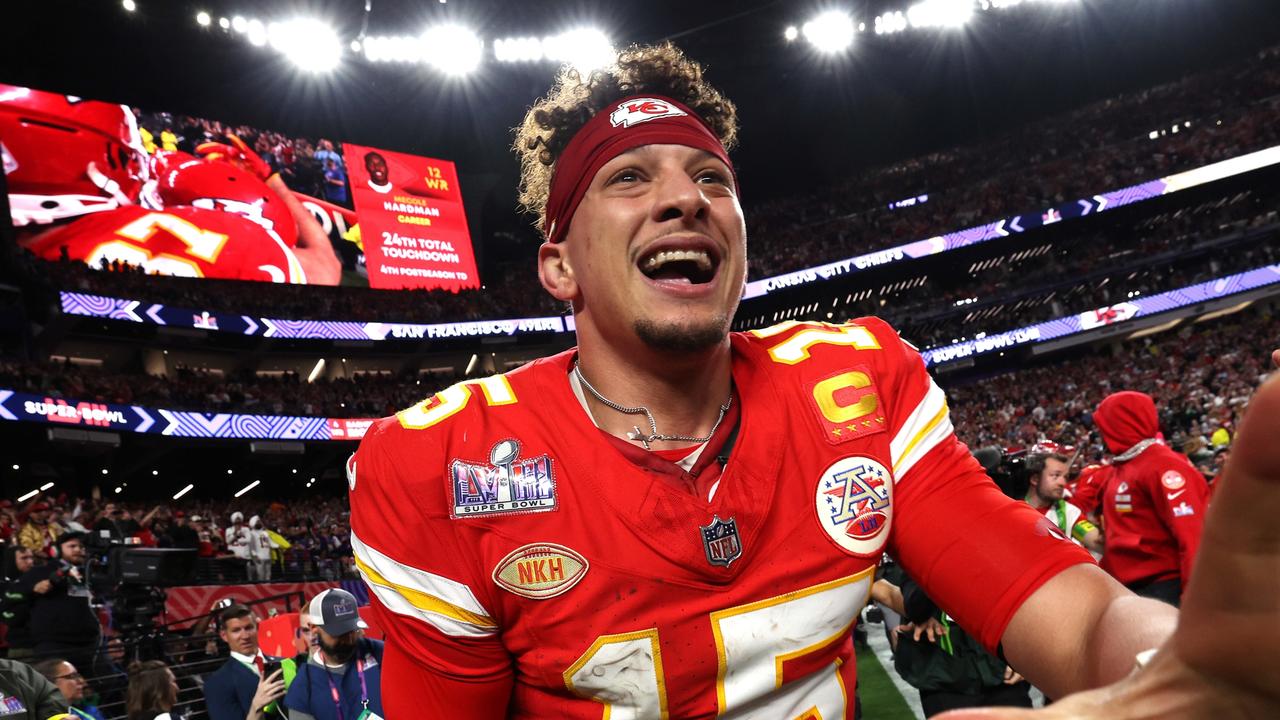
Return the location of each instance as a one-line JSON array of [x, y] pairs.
[[721, 542]]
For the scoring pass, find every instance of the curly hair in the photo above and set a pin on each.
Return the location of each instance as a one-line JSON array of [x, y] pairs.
[[552, 121]]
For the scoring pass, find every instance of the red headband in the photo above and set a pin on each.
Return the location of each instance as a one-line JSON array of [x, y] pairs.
[[619, 127]]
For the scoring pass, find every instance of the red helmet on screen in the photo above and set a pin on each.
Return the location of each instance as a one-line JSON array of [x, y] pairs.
[[184, 179], [65, 157]]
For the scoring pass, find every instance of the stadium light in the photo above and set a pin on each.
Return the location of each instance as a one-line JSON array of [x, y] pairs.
[[890, 23], [119, 489], [29, 495], [129, 5], [224, 23], [154, 473], [308, 43], [940, 13], [584, 49], [183, 491], [452, 49], [830, 32], [16, 466], [46, 486], [518, 49], [203, 19], [239, 24], [791, 33], [257, 32], [355, 46], [104, 471], [248, 487]]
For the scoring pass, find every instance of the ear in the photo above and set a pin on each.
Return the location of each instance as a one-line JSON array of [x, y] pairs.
[[556, 272]]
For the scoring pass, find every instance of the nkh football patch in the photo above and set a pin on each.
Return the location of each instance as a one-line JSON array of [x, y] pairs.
[[506, 485], [854, 504], [540, 570], [634, 112]]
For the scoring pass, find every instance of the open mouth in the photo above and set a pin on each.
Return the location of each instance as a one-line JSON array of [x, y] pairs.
[[690, 266]]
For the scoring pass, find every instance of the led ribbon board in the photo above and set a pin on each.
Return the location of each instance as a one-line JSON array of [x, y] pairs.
[[158, 314], [1101, 317], [175, 423], [1019, 223]]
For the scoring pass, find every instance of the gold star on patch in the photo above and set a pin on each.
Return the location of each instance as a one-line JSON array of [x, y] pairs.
[[836, 432]]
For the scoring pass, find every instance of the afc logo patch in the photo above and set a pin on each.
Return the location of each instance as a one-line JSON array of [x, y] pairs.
[[638, 110], [847, 406], [854, 504]]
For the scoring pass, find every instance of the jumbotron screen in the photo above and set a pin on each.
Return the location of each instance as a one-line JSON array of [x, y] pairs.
[[128, 190]]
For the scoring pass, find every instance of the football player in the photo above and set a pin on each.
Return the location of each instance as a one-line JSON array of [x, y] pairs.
[[82, 188], [672, 520]]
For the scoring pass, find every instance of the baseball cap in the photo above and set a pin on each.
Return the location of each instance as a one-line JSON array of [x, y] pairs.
[[334, 611], [196, 518], [40, 506]]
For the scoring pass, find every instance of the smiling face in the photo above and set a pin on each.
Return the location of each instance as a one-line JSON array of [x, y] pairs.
[[656, 251]]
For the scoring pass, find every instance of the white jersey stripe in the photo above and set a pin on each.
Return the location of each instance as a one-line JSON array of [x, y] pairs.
[[448, 605], [927, 425]]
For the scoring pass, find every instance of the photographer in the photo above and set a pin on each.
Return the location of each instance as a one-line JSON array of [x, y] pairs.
[[15, 604], [62, 622], [1046, 488]]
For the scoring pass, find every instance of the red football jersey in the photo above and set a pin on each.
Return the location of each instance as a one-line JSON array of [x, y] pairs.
[[503, 535], [1153, 512], [184, 241]]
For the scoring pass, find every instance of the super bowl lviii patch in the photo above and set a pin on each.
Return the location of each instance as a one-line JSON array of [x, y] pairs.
[[540, 570], [506, 485], [854, 504]]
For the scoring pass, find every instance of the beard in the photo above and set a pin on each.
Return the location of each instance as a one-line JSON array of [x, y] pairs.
[[340, 650], [683, 338]]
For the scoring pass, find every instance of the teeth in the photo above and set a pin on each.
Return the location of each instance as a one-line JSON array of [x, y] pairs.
[[698, 256]]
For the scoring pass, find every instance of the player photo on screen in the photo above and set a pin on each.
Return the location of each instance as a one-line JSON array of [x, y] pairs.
[[125, 190], [413, 229]]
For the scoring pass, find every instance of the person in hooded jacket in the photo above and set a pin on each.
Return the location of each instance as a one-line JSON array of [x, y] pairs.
[[1154, 502]]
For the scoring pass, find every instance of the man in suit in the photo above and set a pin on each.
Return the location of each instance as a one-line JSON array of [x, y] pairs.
[[242, 689]]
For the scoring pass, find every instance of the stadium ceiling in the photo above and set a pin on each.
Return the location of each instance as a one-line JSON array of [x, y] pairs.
[[890, 95]]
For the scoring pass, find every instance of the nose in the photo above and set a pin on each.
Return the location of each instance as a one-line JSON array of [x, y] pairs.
[[679, 197]]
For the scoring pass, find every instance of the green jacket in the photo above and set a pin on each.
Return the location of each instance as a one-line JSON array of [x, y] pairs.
[[956, 663], [40, 697]]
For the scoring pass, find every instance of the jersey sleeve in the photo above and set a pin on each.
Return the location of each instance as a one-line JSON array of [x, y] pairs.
[[976, 552], [1180, 497], [424, 592]]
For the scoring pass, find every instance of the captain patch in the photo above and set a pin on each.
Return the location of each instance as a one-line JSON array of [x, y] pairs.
[[506, 485], [847, 406], [854, 504]]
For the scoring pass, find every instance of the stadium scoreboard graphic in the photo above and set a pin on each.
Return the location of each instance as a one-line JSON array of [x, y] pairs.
[[413, 228], [217, 215]]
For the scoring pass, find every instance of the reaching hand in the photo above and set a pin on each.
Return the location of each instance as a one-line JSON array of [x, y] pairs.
[[1223, 661], [238, 154], [931, 629]]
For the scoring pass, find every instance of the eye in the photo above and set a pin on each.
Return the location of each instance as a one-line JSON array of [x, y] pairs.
[[715, 177], [624, 176]]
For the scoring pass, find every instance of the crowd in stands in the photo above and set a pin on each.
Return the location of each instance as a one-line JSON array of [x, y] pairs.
[[1201, 377], [1101, 147], [306, 541]]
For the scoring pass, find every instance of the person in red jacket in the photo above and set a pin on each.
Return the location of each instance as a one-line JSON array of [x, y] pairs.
[[1154, 503]]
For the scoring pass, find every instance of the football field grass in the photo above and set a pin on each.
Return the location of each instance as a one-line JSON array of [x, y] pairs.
[[880, 697]]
